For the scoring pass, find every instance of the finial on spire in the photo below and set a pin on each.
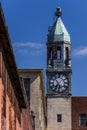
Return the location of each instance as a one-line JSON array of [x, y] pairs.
[[58, 12]]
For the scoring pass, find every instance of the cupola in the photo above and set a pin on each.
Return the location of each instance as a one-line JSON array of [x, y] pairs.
[[58, 31]]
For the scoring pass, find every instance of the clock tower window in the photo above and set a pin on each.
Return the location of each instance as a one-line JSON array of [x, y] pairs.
[[59, 53], [49, 56], [67, 53], [54, 53], [67, 56], [51, 53]]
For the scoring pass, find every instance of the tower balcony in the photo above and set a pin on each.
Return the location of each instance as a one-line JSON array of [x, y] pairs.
[[58, 65], [55, 63]]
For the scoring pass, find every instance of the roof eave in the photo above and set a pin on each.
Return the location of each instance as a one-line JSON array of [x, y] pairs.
[[8, 52]]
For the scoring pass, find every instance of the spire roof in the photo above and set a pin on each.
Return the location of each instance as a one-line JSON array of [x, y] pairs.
[[58, 31]]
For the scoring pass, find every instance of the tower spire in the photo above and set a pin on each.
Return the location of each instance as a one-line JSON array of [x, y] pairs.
[[58, 12], [58, 31]]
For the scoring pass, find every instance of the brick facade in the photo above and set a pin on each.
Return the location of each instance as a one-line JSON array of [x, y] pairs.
[[79, 106], [10, 110], [12, 115]]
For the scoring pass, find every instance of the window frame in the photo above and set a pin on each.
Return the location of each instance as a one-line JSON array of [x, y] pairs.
[[59, 118], [59, 53], [27, 88], [83, 119]]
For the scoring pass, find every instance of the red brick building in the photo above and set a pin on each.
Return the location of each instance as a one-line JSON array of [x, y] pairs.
[[79, 113], [14, 108]]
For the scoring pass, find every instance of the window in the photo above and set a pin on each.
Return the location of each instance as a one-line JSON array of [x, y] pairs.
[[27, 87], [83, 119], [59, 53], [59, 118], [67, 53], [50, 53], [54, 53]]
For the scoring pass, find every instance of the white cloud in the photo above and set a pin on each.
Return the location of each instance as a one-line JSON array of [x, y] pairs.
[[22, 51], [34, 49], [29, 44], [82, 51]]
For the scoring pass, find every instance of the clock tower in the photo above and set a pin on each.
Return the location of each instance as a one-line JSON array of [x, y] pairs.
[[58, 58], [58, 76]]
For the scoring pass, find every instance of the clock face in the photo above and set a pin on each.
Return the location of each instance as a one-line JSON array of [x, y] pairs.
[[58, 83]]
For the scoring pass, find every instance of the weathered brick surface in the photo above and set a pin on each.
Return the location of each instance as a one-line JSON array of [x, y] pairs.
[[8, 102], [1, 106], [11, 114], [26, 120], [79, 106]]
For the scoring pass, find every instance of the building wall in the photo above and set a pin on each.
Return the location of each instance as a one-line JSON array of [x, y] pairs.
[[58, 106], [36, 96], [26, 120], [36, 103], [11, 112], [79, 106]]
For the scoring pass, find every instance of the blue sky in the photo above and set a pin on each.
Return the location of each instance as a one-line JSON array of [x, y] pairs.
[[28, 22]]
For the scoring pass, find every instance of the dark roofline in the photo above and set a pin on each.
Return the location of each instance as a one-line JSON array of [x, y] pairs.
[[31, 70], [7, 49], [79, 96]]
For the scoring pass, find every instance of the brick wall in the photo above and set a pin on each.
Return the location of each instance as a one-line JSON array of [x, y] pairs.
[[11, 114], [10, 111], [26, 120], [79, 106]]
